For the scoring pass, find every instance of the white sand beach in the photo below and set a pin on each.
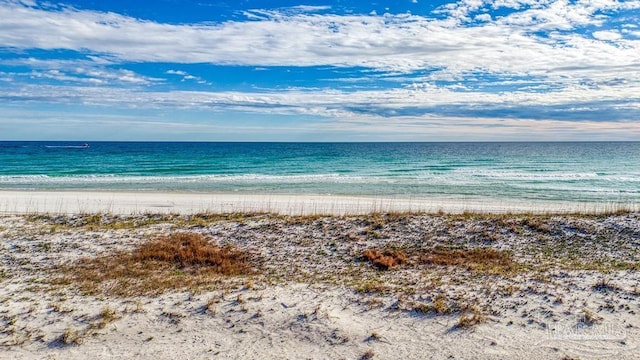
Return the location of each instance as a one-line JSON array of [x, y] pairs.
[[79, 202], [568, 288]]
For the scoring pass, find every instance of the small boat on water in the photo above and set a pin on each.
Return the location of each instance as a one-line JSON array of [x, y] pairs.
[[83, 146]]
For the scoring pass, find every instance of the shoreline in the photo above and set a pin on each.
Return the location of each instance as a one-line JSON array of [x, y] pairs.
[[130, 202]]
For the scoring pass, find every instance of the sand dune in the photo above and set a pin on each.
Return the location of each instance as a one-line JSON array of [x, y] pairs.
[[563, 287]]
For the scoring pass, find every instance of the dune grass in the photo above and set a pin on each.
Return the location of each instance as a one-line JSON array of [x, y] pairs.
[[360, 251], [180, 261], [480, 260], [483, 259], [470, 317]]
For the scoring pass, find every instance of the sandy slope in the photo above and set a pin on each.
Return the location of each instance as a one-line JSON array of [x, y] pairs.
[[297, 322], [311, 303]]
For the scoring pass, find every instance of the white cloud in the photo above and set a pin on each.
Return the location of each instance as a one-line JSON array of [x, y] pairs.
[[396, 103], [150, 126], [176, 72], [60, 76], [188, 77], [308, 8], [401, 42], [77, 71], [607, 35], [483, 17]]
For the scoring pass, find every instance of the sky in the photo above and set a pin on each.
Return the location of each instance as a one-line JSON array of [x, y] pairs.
[[332, 70]]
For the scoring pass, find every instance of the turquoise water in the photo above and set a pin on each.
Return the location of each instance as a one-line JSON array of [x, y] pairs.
[[578, 172]]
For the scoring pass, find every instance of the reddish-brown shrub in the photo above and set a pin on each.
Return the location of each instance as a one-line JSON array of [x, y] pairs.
[[187, 249], [175, 262], [386, 259]]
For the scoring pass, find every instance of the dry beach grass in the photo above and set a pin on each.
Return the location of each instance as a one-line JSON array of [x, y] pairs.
[[182, 260], [255, 285]]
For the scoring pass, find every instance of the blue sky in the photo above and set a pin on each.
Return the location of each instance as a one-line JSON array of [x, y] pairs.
[[403, 70]]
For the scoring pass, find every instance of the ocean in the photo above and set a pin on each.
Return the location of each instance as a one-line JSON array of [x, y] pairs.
[[604, 172]]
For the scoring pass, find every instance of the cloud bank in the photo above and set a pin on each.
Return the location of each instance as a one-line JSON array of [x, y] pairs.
[[488, 62]]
